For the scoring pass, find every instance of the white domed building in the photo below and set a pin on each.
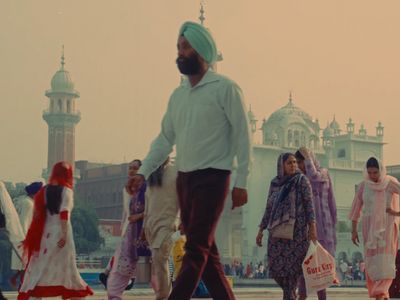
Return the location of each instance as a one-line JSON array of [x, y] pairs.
[[291, 127], [344, 153]]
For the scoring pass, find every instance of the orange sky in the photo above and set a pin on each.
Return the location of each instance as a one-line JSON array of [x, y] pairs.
[[338, 57]]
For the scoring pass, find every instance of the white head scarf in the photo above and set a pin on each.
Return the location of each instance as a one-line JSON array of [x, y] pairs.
[[379, 217], [383, 180]]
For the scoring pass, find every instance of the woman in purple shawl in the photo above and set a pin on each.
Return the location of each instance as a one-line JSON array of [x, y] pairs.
[[126, 256], [324, 205], [289, 202]]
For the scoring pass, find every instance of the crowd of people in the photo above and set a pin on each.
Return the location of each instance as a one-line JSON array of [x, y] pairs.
[[252, 270], [206, 121], [348, 272], [351, 271]]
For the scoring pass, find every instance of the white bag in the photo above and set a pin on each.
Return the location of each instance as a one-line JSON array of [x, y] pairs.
[[319, 268]]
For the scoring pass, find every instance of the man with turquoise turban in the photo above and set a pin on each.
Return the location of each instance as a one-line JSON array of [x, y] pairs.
[[204, 49], [206, 119]]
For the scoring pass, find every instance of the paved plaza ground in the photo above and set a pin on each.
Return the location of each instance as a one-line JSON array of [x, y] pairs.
[[241, 294]]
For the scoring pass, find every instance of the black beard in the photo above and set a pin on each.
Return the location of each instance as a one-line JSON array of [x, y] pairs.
[[188, 65]]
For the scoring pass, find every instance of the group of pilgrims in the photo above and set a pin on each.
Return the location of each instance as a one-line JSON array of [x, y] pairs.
[[302, 194], [39, 228], [207, 121]]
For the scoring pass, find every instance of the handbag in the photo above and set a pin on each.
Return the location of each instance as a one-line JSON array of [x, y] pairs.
[[283, 231]]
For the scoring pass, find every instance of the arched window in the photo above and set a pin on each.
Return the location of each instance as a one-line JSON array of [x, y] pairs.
[[59, 105], [290, 138], [303, 139], [69, 106], [297, 138], [51, 105]]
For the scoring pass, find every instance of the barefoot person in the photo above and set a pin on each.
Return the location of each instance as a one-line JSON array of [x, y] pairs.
[[126, 256], [324, 205], [378, 200], [160, 223], [9, 222], [289, 203], [49, 245], [24, 206]]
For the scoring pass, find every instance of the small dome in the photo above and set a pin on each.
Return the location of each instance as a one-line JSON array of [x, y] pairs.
[[61, 81], [334, 125], [328, 132]]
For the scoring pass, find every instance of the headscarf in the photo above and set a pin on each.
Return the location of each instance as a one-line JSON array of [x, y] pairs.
[[33, 188], [284, 196], [324, 199], [322, 171], [379, 217], [61, 175], [383, 180], [13, 225], [201, 40]]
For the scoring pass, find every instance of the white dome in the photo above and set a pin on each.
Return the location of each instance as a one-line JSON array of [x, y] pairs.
[[62, 82], [289, 114]]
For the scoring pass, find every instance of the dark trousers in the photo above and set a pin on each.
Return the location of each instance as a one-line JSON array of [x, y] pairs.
[[202, 197]]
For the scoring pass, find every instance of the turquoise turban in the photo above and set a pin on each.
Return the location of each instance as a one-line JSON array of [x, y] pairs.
[[201, 40]]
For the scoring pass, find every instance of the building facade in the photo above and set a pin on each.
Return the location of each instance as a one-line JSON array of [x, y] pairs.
[[101, 186], [342, 152]]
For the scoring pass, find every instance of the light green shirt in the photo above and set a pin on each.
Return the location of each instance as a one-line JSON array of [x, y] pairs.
[[208, 123]]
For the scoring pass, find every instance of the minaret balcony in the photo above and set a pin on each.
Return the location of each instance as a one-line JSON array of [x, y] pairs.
[[56, 93], [61, 117]]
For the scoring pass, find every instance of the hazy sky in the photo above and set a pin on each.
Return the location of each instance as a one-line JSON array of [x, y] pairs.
[[338, 57]]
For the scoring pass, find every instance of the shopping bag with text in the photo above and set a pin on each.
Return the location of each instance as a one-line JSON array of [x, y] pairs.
[[319, 268]]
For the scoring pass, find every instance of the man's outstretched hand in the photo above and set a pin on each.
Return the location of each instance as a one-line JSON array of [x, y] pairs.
[[239, 197]]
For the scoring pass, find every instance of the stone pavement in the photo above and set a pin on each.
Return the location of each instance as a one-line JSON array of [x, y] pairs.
[[241, 294]]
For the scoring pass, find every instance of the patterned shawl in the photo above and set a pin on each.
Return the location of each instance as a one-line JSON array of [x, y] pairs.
[[283, 197]]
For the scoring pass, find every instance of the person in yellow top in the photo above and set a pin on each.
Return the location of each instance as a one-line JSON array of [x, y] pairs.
[[178, 251]]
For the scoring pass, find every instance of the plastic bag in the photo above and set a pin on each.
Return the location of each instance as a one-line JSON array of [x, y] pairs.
[[319, 268]]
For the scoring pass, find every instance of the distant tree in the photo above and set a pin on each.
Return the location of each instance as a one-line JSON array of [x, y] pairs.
[[85, 225]]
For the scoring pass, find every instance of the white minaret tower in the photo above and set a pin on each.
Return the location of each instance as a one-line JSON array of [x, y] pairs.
[[61, 117]]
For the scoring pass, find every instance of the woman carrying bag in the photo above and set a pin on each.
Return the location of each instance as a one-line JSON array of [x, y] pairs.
[[290, 220]]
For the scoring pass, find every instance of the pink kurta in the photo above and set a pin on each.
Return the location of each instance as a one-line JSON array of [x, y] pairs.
[[379, 232]]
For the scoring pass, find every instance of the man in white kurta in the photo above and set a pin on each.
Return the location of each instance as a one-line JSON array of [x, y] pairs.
[[24, 206], [12, 226], [160, 222]]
